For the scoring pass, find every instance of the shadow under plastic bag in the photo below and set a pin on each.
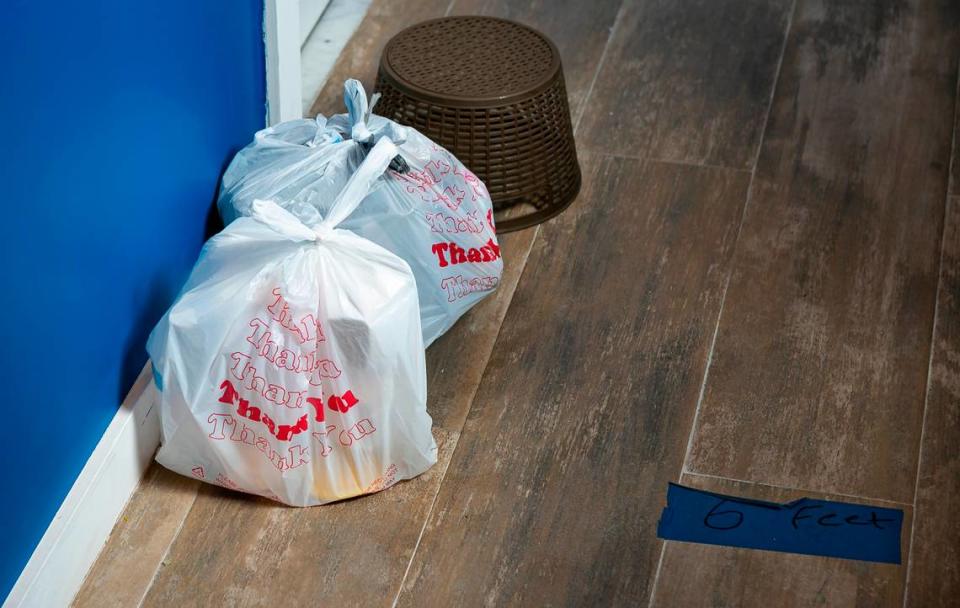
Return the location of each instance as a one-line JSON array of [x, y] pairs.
[[214, 223]]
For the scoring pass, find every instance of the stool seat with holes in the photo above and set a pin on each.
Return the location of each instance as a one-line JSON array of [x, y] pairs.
[[492, 92]]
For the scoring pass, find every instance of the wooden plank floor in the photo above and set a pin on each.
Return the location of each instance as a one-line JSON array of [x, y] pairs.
[[757, 292]]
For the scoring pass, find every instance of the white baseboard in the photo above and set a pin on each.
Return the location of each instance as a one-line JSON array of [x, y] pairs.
[[84, 521]]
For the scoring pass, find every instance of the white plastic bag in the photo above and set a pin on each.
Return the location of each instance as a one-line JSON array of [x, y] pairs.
[[435, 214], [291, 365]]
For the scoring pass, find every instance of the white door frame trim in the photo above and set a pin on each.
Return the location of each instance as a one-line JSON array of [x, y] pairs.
[[281, 40]]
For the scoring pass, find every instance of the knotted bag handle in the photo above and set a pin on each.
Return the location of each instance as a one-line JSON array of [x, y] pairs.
[[355, 98]]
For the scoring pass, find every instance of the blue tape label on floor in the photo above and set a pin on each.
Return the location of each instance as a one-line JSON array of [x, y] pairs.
[[812, 527]]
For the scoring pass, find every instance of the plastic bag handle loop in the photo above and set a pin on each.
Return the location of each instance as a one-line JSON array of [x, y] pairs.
[[355, 99], [372, 167]]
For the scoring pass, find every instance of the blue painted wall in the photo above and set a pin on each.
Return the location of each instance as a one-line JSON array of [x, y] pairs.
[[118, 118]]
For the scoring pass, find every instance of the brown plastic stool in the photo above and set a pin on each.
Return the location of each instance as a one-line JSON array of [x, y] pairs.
[[491, 91]]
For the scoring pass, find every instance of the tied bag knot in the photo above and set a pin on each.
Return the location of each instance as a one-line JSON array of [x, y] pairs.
[[359, 110], [322, 232]]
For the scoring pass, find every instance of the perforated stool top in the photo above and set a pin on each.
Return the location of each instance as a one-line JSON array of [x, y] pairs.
[[492, 92]]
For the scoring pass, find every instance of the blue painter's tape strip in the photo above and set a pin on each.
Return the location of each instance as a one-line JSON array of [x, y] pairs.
[[812, 527]]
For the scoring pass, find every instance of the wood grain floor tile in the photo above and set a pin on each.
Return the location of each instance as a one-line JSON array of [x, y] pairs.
[[688, 80], [583, 413], [706, 575], [955, 165], [579, 29], [934, 578], [141, 538], [818, 375], [236, 550]]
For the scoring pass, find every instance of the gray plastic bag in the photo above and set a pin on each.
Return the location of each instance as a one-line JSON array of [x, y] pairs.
[[428, 209]]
